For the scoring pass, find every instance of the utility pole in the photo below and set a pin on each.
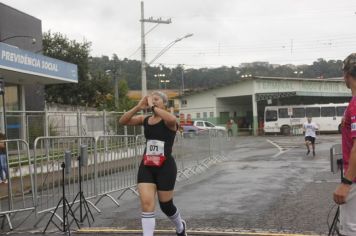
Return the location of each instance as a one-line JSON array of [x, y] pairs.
[[116, 91], [114, 74], [143, 46], [182, 78]]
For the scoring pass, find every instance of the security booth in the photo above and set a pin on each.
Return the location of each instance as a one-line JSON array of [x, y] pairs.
[[245, 100], [19, 68]]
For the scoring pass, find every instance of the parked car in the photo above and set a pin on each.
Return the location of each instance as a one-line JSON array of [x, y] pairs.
[[200, 125], [203, 125]]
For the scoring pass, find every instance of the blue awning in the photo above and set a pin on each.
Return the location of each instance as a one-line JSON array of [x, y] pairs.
[[24, 67]]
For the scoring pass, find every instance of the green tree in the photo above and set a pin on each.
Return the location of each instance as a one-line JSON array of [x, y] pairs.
[[107, 69], [124, 102], [60, 47]]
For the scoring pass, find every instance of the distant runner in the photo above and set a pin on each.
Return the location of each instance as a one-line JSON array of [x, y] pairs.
[[309, 129]]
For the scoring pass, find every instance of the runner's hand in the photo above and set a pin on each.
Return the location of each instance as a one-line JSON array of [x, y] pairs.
[[149, 101], [142, 104], [341, 193]]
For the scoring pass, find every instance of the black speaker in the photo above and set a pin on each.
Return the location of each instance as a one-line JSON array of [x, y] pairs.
[[68, 161], [84, 155], [2, 86]]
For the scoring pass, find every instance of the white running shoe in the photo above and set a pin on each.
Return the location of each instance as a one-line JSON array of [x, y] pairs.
[[183, 233]]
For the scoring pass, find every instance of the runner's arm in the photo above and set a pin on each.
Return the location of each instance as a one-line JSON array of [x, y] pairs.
[[129, 118]]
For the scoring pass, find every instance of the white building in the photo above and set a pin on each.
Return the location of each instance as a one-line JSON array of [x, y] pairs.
[[245, 100]]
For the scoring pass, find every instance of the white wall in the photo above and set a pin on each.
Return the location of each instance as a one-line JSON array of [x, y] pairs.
[[199, 103], [206, 101]]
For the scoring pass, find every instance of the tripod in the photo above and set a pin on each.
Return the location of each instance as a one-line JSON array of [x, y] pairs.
[[82, 201], [334, 227], [64, 201]]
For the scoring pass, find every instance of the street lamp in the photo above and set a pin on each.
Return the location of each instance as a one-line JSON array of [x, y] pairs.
[[165, 81], [20, 36], [246, 76], [159, 80], [298, 73], [166, 48]]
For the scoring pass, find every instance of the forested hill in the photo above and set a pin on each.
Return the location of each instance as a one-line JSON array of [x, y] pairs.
[[96, 75], [193, 79]]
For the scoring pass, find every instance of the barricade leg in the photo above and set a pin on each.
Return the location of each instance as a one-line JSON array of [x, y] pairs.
[[7, 218]]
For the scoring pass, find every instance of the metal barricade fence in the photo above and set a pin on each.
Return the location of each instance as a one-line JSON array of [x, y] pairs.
[[113, 161], [117, 162], [48, 157], [336, 165], [218, 142], [17, 194], [297, 130], [335, 157], [29, 125], [193, 150], [62, 123]]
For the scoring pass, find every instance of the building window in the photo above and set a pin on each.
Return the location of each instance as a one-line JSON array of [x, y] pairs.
[[12, 98], [198, 115], [170, 103], [205, 115], [211, 114], [184, 103]]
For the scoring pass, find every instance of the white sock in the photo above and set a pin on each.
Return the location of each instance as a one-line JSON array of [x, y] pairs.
[[177, 220], [148, 223]]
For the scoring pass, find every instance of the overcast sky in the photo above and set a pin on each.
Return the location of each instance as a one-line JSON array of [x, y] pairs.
[[226, 32]]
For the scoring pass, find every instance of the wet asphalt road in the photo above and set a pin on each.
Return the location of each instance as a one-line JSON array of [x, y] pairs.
[[260, 186]]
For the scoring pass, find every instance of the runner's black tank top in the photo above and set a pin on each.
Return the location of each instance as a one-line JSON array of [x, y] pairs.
[[160, 132]]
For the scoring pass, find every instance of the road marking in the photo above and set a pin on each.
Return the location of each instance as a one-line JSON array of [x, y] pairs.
[[274, 144], [281, 150], [190, 232], [282, 146]]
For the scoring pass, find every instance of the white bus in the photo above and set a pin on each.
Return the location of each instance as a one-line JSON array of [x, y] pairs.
[[282, 119]]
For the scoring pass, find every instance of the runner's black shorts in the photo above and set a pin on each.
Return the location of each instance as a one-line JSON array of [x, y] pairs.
[[164, 177], [310, 138]]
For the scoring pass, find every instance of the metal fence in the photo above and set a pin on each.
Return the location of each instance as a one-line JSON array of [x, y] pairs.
[[35, 183], [17, 195], [48, 157], [195, 152], [117, 164], [335, 158], [28, 125]]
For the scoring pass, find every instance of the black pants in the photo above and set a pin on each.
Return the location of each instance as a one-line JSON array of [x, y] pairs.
[[164, 177], [229, 132]]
